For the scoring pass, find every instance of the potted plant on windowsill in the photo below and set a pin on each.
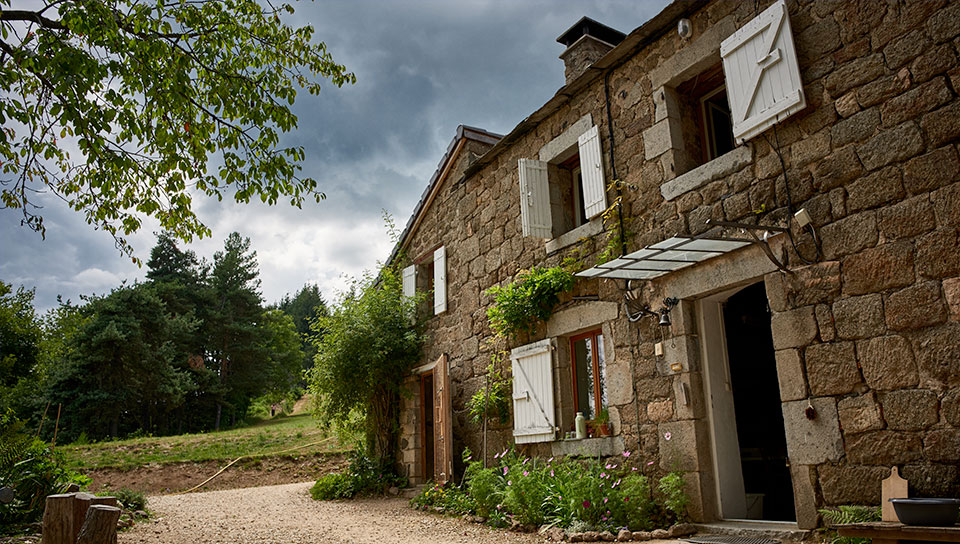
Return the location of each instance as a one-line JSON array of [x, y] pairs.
[[602, 423]]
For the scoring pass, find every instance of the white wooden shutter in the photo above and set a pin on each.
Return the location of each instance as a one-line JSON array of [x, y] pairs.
[[410, 281], [591, 173], [762, 73], [533, 411], [535, 219], [440, 280]]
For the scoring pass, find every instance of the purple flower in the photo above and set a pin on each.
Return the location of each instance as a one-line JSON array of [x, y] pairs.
[[586, 504], [626, 453]]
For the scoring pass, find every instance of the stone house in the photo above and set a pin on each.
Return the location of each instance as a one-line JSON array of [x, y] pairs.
[[786, 175]]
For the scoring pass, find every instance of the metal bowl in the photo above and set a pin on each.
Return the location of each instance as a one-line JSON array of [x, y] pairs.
[[931, 512]]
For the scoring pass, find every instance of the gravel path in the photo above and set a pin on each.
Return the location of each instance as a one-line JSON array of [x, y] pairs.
[[286, 514]]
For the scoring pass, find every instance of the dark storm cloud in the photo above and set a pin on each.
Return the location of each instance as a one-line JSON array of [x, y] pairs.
[[422, 69]]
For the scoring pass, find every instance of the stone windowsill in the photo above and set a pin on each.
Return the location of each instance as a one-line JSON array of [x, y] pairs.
[[722, 166], [586, 230], [607, 446]]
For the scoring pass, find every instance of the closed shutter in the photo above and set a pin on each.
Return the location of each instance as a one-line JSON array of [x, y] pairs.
[[533, 411], [591, 173], [440, 280], [410, 281], [442, 422], [762, 73], [535, 217]]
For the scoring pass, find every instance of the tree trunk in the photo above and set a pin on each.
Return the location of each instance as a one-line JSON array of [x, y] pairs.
[[216, 425], [100, 526], [58, 520]]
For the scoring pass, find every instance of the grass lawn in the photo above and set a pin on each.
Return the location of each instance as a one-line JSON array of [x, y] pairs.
[[270, 437]]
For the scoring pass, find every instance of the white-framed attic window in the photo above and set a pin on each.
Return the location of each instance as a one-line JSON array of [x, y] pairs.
[[429, 273], [561, 192]]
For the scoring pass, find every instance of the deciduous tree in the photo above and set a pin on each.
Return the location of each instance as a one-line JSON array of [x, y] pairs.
[[126, 109]]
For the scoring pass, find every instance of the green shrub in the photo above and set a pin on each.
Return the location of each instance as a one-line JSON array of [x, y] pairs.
[[332, 486], [849, 514], [130, 499], [520, 305], [33, 470], [364, 476], [591, 495], [675, 500]]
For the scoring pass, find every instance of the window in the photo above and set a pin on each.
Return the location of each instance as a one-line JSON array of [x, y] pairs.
[[565, 189], [589, 373], [428, 274], [707, 127]]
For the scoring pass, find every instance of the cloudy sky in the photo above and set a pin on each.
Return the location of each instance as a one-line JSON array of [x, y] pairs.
[[422, 69]]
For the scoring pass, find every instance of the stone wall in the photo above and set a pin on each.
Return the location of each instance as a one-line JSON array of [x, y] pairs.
[[869, 333]]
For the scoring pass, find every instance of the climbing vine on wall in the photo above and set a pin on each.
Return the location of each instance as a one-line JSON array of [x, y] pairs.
[[530, 299]]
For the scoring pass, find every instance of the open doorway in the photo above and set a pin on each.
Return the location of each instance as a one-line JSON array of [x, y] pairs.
[[750, 450], [427, 430]]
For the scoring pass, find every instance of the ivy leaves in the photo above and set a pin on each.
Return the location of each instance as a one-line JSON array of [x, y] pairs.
[[126, 109], [520, 305]]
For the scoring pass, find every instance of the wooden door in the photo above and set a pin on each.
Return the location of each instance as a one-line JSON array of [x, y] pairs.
[[442, 423]]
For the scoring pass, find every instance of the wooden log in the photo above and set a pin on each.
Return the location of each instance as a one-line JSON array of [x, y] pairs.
[[100, 527], [81, 502], [58, 520]]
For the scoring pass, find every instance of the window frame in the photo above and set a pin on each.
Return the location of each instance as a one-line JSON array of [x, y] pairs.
[[597, 393]]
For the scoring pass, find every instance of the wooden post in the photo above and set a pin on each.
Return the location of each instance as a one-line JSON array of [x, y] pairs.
[[58, 520], [100, 527], [56, 427]]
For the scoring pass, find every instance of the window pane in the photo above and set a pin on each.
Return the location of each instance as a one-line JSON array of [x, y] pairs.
[[584, 374], [601, 371]]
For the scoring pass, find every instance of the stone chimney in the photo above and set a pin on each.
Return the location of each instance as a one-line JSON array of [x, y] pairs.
[[587, 41]]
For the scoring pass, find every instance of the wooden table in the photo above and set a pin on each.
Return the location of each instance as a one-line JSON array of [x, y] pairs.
[[888, 532]]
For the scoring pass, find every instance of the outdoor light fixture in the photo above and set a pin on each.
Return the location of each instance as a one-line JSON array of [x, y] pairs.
[[635, 311]]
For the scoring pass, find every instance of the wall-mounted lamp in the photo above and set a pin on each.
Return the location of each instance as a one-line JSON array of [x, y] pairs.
[[635, 311]]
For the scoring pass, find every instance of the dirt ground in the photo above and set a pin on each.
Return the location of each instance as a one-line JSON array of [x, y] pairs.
[[166, 479], [286, 514]]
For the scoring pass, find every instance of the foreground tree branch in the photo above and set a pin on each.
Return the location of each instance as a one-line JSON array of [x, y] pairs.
[[126, 109]]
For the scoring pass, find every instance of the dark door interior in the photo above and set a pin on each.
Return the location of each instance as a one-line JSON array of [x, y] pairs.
[[756, 398], [426, 415]]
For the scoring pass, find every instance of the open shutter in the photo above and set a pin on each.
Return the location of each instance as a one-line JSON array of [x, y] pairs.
[[442, 423], [591, 173], [535, 217], [410, 281], [762, 73], [533, 411], [440, 280]]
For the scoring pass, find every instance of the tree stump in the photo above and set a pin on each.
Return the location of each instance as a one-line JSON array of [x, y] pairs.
[[100, 526], [58, 520]]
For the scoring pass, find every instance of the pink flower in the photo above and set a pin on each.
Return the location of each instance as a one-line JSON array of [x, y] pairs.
[[586, 504], [525, 473], [509, 482], [505, 470], [550, 460], [634, 469], [650, 463], [625, 499], [551, 473], [496, 455], [603, 474], [605, 500], [626, 453], [667, 435]]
